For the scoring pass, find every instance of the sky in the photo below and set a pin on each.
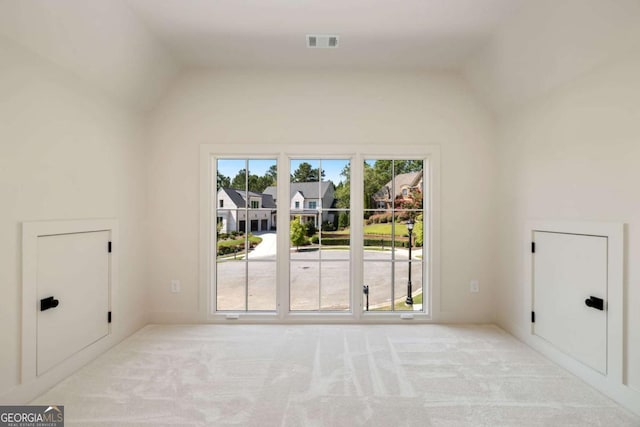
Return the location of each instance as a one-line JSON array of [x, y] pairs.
[[332, 168]]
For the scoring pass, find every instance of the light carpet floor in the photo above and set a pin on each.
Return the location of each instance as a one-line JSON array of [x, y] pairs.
[[328, 375]]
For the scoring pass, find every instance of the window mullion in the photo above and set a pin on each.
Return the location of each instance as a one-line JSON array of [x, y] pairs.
[[282, 220], [247, 222], [356, 226]]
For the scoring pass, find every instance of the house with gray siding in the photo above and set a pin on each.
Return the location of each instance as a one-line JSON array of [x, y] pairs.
[[310, 201], [237, 208]]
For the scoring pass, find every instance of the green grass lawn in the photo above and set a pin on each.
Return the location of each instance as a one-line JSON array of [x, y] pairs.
[[402, 306], [380, 229], [235, 242]]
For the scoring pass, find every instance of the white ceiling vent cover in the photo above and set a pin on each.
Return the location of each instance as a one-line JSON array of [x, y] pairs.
[[322, 41]]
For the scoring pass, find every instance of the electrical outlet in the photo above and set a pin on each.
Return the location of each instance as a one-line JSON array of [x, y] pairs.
[[175, 286], [474, 286]]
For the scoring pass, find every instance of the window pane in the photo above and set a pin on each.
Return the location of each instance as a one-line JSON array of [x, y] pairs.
[[337, 193], [402, 281], [393, 184], [380, 235], [314, 217], [303, 238], [378, 277], [335, 286], [262, 286], [377, 184], [231, 170], [244, 206], [408, 184], [305, 170], [262, 241], [263, 174], [393, 227], [305, 285], [335, 243], [231, 282], [260, 221]]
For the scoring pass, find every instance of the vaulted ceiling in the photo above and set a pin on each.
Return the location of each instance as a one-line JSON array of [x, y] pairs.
[[377, 34], [510, 50]]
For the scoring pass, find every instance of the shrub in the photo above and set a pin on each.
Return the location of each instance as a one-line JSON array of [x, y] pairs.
[[343, 220], [419, 231], [315, 240], [328, 226], [380, 218], [385, 243], [309, 229], [336, 241]]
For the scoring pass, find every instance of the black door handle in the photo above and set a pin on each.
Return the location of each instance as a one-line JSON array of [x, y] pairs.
[[47, 303], [595, 302]]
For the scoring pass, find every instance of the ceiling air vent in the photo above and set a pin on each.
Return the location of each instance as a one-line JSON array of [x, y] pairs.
[[322, 41]]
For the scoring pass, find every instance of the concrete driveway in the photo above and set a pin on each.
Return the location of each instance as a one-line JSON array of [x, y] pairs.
[[266, 249]]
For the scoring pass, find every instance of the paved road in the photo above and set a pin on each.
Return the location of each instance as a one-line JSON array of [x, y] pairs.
[[312, 286]]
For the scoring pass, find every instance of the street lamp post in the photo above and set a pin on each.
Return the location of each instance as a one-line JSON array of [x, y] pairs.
[[409, 300]]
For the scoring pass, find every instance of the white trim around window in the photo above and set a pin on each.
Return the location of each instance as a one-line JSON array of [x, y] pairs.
[[357, 154]]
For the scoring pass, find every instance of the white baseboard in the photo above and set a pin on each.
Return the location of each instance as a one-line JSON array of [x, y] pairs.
[[621, 393], [27, 391], [175, 318]]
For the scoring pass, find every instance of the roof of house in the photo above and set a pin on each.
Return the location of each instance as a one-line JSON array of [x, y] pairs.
[[238, 198], [310, 190], [410, 179]]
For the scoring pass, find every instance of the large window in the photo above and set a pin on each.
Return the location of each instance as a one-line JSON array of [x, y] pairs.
[[245, 238], [320, 263], [302, 236], [393, 234]]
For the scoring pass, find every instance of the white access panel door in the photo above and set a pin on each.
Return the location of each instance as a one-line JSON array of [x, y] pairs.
[[569, 269], [74, 269]]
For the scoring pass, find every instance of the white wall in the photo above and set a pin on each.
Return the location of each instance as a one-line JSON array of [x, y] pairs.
[[574, 155], [319, 108], [65, 153], [101, 42], [548, 43], [562, 78]]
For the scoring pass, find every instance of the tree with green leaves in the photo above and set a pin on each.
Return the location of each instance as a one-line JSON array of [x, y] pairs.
[[379, 174], [223, 181], [306, 173], [418, 230], [343, 220], [256, 183], [297, 233], [271, 176], [343, 189], [239, 182], [309, 229]]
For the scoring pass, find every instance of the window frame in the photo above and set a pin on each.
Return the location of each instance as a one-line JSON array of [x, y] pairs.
[[283, 153]]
